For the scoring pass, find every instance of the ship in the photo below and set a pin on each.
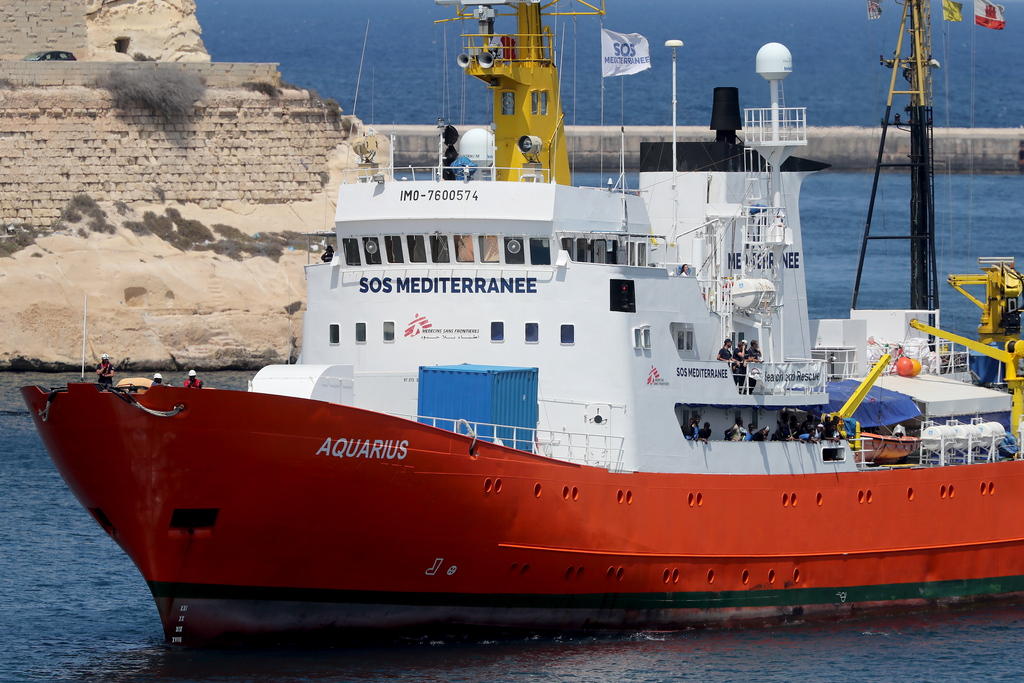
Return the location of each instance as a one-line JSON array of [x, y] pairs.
[[490, 423]]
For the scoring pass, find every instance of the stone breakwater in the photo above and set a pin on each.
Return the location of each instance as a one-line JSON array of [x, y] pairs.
[[591, 148]]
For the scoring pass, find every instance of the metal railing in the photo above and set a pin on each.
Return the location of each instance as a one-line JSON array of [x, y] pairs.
[[595, 450], [775, 125], [511, 47], [436, 174]]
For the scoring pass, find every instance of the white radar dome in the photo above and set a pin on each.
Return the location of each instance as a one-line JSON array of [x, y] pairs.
[[478, 144], [774, 61]]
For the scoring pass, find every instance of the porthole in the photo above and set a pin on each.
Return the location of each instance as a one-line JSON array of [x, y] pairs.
[[497, 485], [675, 576], [785, 500], [619, 573], [689, 500], [569, 573], [820, 499], [910, 494], [610, 572], [792, 500], [771, 576], [536, 490], [629, 497], [868, 496], [952, 491], [796, 576], [619, 496], [983, 489], [666, 576], [860, 496], [525, 568], [579, 572], [711, 576], [991, 487], [700, 499], [745, 577], [575, 493], [565, 492], [488, 485], [942, 491]]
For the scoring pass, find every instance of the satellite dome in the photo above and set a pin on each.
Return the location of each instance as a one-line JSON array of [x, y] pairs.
[[774, 61]]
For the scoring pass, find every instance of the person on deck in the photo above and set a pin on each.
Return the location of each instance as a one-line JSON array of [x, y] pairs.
[[105, 371], [736, 432], [328, 254], [725, 353], [739, 367], [705, 433], [193, 382], [753, 356], [692, 432], [157, 379]]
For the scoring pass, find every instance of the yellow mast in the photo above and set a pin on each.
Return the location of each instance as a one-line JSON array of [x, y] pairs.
[[1000, 314], [520, 70]]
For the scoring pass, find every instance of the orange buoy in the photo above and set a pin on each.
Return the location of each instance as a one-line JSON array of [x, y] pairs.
[[905, 367], [917, 367]]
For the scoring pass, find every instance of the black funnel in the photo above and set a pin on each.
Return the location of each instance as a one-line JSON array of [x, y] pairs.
[[725, 114]]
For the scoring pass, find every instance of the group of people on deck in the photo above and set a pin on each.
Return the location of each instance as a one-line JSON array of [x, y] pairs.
[[105, 375], [738, 359], [811, 429]]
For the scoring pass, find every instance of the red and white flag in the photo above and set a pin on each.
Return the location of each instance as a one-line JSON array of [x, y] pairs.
[[989, 15]]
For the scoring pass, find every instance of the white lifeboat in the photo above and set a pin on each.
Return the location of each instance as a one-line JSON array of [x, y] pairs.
[[752, 293]]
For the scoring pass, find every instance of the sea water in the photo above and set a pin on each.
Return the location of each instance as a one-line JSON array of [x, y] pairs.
[[73, 607]]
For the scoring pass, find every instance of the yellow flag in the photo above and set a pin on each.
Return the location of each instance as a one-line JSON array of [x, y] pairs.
[[952, 11]]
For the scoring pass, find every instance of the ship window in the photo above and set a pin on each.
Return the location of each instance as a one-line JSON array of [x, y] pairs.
[[600, 251], [543, 102], [372, 251], [514, 254], [642, 337], [532, 333], [567, 245], [389, 331], [637, 254], [568, 334], [497, 331], [583, 250], [623, 296], [508, 103], [539, 102], [417, 249], [682, 334], [612, 255], [464, 248], [360, 333], [393, 247], [351, 247], [489, 248], [439, 249], [335, 334], [540, 251]]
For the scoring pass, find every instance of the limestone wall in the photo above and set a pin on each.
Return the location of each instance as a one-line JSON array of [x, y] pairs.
[[50, 74], [238, 146]]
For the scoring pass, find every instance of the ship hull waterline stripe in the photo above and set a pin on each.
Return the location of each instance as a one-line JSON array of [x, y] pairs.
[[882, 593], [771, 556]]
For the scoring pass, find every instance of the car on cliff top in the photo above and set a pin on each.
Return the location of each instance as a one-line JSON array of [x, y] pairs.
[[50, 56]]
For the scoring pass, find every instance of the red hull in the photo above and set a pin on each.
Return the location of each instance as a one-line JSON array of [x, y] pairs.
[[426, 534]]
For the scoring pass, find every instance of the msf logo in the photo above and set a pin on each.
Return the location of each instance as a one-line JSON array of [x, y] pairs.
[[654, 378], [417, 326]]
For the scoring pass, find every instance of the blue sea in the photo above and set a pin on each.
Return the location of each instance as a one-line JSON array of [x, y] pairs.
[[72, 607]]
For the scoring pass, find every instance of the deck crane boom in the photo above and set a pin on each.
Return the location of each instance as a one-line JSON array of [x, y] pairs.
[[857, 397]]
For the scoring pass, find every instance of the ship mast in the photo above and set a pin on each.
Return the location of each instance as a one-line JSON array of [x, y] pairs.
[[520, 70], [915, 69]]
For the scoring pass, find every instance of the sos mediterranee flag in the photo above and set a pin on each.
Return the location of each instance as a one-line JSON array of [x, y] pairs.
[[623, 53], [989, 15]]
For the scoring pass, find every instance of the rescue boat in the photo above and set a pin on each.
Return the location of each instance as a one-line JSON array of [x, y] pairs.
[[487, 426]]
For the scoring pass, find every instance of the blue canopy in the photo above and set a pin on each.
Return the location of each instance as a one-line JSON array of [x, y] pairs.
[[881, 407], [987, 369]]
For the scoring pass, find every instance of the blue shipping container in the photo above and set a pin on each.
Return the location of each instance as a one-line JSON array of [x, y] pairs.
[[487, 394]]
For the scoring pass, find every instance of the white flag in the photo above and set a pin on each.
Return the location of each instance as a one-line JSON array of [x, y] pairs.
[[623, 53]]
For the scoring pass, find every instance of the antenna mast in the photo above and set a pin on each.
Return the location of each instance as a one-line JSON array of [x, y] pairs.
[[915, 69]]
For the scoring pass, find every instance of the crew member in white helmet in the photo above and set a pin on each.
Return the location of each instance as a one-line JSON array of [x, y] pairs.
[[157, 378], [105, 371], [193, 382]]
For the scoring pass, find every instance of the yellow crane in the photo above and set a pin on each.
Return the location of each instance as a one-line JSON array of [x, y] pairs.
[[1011, 356], [1000, 311], [857, 397]]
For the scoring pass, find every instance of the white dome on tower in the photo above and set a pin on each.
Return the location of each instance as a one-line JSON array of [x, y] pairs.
[[774, 61]]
